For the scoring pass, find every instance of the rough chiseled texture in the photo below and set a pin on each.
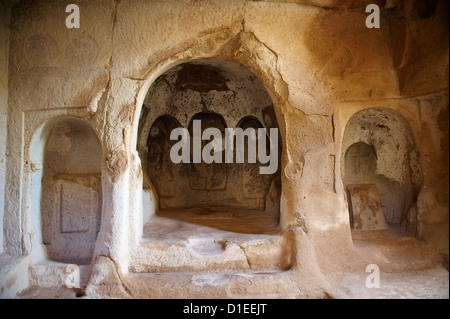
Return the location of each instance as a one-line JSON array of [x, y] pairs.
[[331, 83]]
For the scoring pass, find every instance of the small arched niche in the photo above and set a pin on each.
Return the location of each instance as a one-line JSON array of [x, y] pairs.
[[221, 95], [360, 163], [164, 173], [365, 211], [71, 191], [207, 178], [257, 187], [380, 171]]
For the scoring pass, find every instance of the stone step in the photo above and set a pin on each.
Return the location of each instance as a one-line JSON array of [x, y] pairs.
[[211, 253], [186, 285], [52, 274]]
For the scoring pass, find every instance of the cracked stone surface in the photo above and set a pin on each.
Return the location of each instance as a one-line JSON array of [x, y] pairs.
[[83, 113]]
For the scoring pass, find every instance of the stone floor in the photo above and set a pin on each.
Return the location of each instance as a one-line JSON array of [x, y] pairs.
[[426, 284], [236, 220], [201, 240], [408, 268]]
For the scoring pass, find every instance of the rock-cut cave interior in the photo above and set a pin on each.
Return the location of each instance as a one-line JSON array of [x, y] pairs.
[[224, 149]]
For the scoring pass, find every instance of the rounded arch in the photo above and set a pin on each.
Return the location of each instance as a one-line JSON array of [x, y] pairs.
[[41, 133], [260, 69], [152, 74], [211, 119], [207, 176], [397, 174], [387, 131], [242, 49], [250, 119], [155, 154], [360, 162], [252, 122], [221, 94], [65, 156]]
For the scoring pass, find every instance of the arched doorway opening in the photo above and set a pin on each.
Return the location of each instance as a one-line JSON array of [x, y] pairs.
[[218, 95]]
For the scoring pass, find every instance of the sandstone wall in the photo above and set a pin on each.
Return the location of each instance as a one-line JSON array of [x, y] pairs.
[[4, 55], [317, 60]]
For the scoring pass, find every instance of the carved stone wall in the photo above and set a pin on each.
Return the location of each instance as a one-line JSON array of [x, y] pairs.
[[85, 115]]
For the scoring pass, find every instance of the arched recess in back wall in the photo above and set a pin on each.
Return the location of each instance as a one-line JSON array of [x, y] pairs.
[[71, 191], [378, 149]]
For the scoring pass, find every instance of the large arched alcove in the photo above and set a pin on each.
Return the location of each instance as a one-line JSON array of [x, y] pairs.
[[226, 195], [71, 191], [380, 169]]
